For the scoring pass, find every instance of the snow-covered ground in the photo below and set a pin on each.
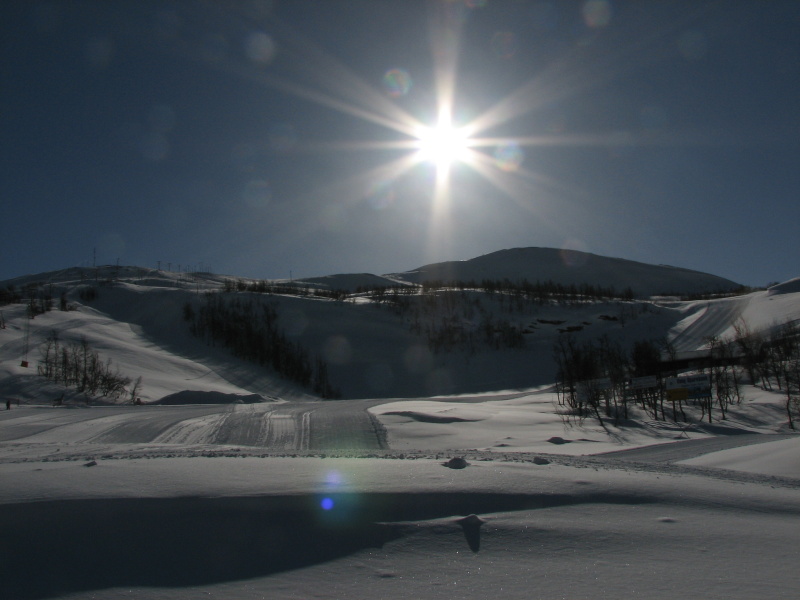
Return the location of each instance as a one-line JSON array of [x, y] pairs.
[[282, 527], [235, 501]]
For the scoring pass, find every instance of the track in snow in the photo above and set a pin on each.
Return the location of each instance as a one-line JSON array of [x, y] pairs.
[[716, 318], [686, 449], [284, 427]]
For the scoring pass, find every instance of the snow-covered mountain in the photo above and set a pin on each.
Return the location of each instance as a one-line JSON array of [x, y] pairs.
[[567, 267]]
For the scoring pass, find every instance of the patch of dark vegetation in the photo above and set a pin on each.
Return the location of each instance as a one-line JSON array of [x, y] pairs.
[[570, 329], [261, 286], [249, 329], [78, 366]]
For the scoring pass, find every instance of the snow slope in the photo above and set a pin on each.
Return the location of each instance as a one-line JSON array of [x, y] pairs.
[[370, 348]]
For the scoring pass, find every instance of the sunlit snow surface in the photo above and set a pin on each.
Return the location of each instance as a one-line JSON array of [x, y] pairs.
[[235, 501]]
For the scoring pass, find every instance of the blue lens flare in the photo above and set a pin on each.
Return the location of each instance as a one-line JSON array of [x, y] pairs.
[[326, 504]]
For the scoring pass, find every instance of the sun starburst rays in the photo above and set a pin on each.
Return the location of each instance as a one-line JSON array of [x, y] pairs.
[[448, 147]]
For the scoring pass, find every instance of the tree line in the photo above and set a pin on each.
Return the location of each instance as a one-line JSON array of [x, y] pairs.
[[249, 329], [772, 360], [262, 286], [541, 292], [595, 378]]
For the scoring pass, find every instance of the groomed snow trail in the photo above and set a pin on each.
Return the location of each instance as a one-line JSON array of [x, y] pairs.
[[280, 427], [715, 318]]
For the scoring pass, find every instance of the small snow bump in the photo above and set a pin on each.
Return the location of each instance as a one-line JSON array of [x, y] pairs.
[[471, 520], [558, 440]]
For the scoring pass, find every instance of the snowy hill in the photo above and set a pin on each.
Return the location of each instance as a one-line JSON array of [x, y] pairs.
[[374, 346], [567, 267]]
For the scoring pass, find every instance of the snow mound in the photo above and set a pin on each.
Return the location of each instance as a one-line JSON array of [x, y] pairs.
[[787, 287], [428, 418]]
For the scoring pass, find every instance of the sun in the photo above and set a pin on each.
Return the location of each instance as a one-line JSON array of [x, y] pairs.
[[443, 144]]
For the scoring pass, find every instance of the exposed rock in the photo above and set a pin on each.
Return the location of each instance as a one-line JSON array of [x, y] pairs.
[[456, 463]]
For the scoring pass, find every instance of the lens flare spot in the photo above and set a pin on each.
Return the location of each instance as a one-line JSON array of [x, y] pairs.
[[597, 13], [397, 82], [508, 156], [259, 47], [326, 504], [333, 478]]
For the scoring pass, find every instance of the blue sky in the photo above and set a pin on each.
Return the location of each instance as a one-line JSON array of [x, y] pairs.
[[265, 138]]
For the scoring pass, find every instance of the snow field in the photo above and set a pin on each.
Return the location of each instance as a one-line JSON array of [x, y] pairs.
[[180, 502]]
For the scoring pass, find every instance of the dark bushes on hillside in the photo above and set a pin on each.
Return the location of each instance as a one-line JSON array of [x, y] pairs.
[[77, 365], [249, 330]]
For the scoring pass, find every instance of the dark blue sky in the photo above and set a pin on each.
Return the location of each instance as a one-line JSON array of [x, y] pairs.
[[250, 137]]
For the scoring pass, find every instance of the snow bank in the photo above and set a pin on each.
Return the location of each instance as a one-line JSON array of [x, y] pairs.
[[780, 458], [787, 287]]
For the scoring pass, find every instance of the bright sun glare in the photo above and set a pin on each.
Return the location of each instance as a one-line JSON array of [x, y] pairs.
[[443, 144]]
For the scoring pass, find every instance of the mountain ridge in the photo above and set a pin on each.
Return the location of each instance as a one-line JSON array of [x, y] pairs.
[[560, 266], [572, 267]]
